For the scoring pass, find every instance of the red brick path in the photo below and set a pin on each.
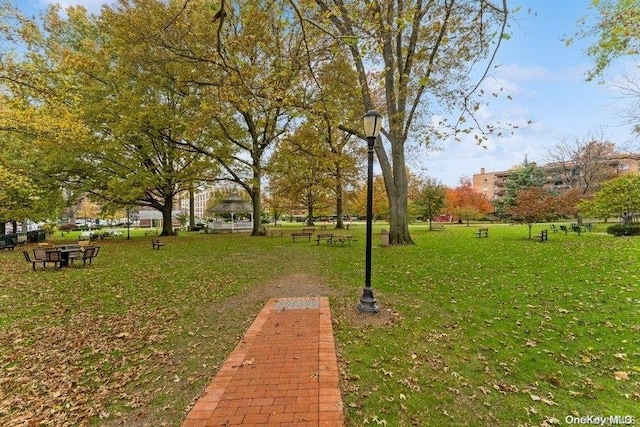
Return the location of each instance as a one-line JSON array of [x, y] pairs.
[[283, 373]]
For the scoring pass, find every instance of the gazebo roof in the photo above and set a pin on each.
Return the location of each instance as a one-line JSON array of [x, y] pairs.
[[233, 204]]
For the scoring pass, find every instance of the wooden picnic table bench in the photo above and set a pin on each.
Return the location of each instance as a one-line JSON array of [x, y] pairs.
[[297, 234], [482, 232], [151, 233], [324, 236], [156, 244], [342, 238], [311, 230]]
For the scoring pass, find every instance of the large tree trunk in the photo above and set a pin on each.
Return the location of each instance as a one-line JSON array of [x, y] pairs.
[[396, 184], [255, 201], [339, 202], [167, 224], [310, 210], [192, 208]]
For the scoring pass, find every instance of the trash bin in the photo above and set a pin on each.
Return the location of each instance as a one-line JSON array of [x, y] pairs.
[[384, 237]]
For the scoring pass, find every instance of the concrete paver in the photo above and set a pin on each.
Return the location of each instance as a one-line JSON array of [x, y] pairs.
[[284, 372]]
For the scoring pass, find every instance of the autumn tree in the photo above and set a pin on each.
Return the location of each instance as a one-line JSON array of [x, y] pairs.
[[299, 174], [616, 31], [430, 199], [118, 116], [381, 208], [583, 163], [466, 203], [531, 205], [412, 58], [249, 61]]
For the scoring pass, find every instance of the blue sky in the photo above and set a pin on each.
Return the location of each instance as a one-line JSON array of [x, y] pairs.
[[546, 81]]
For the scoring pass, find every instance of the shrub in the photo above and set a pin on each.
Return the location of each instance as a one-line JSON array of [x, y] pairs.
[[624, 230], [67, 227]]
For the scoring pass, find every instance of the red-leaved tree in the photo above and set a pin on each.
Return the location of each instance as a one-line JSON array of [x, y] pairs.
[[532, 205]]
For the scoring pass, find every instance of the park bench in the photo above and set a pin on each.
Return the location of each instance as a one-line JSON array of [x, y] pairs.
[[576, 228], [156, 244], [151, 233], [544, 235], [324, 236], [33, 261], [299, 234], [310, 230], [436, 228], [89, 253], [482, 232], [564, 228], [6, 246], [553, 228]]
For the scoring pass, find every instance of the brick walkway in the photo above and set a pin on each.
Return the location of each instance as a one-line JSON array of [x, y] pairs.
[[283, 373]]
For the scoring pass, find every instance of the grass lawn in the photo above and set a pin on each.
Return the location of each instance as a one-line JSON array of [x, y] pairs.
[[499, 331]]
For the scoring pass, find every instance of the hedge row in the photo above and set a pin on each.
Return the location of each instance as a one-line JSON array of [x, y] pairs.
[[624, 230]]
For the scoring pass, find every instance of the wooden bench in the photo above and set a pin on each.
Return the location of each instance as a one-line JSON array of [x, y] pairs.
[[564, 228], [310, 230], [156, 243], [482, 232], [554, 228], [544, 235], [151, 233], [324, 236], [436, 228], [298, 234]]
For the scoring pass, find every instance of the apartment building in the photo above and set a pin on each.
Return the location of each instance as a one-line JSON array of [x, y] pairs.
[[557, 176]]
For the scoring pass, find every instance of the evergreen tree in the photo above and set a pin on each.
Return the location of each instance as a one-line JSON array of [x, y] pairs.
[[524, 177]]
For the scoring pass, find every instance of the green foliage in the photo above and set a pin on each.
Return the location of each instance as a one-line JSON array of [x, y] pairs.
[[430, 199], [619, 196], [624, 230], [616, 32]]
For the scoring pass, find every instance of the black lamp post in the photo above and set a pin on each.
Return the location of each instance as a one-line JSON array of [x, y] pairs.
[[372, 125]]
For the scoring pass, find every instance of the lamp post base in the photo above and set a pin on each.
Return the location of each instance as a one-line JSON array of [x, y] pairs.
[[368, 303]]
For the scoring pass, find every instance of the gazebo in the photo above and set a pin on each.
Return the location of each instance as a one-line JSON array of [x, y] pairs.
[[232, 205]]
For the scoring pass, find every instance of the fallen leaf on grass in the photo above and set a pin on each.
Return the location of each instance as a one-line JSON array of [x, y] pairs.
[[621, 375], [542, 399]]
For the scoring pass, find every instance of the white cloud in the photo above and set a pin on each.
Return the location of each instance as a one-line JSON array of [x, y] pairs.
[[521, 73]]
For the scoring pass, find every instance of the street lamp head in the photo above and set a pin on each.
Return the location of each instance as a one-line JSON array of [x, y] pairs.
[[372, 124]]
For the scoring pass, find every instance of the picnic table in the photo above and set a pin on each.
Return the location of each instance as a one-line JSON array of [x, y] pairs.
[[342, 238]]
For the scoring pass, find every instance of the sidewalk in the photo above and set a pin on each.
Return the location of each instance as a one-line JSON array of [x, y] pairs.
[[283, 373]]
